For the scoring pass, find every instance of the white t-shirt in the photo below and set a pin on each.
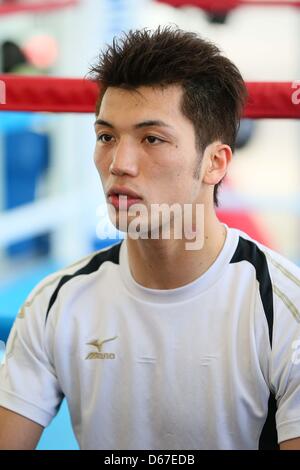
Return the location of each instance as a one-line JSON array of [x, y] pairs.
[[185, 368]]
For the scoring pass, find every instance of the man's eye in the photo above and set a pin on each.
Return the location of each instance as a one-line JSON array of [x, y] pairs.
[[152, 139], [104, 138]]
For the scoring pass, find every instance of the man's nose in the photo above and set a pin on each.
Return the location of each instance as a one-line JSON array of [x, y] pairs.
[[124, 159]]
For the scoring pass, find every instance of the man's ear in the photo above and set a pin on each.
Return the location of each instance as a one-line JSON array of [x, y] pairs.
[[217, 157]]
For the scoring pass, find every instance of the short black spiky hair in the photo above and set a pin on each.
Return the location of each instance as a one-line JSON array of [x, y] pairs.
[[214, 92]]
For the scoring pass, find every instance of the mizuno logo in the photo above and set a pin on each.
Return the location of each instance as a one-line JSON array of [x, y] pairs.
[[98, 344]]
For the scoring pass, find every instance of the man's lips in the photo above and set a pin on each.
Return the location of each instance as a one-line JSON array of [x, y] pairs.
[[123, 190], [123, 201], [122, 197], [120, 201]]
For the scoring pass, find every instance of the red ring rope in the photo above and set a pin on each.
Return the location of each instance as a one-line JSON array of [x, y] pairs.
[[223, 6], [73, 95], [31, 7]]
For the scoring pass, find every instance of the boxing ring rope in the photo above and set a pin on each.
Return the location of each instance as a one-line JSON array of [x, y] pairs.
[[35, 7], [71, 95], [224, 6], [74, 95]]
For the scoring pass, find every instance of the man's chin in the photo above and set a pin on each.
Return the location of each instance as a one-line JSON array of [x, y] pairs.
[[137, 229]]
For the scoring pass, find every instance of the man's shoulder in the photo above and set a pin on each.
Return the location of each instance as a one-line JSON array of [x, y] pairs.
[[51, 284], [281, 268], [278, 264], [283, 274]]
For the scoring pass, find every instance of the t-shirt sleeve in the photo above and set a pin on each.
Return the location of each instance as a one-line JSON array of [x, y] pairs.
[[285, 355], [28, 383]]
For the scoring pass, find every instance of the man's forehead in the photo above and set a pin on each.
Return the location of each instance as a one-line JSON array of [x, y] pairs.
[[162, 102], [145, 95]]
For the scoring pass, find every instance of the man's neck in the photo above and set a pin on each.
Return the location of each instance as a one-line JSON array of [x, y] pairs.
[[167, 264]]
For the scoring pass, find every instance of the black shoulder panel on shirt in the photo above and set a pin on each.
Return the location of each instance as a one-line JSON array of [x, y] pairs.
[[249, 251], [112, 255]]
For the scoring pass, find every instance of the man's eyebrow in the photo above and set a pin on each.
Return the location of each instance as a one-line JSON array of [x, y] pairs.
[[152, 122], [139, 125], [101, 122]]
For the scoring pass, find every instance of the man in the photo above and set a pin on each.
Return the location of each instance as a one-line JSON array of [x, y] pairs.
[[157, 343]]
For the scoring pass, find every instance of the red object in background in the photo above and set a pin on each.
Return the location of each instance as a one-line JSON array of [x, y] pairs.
[[246, 222], [224, 6], [65, 95], [30, 6], [23, 93], [41, 50]]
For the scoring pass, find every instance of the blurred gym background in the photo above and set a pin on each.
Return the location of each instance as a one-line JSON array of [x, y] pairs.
[[50, 194]]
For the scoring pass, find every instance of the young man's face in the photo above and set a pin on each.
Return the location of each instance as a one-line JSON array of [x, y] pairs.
[[145, 144]]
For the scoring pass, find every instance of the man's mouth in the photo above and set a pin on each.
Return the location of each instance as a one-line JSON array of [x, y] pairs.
[[123, 201], [122, 197]]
